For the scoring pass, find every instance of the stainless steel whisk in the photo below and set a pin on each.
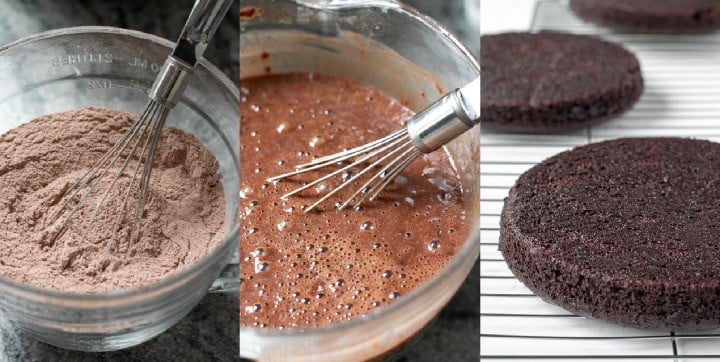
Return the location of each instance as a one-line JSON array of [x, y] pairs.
[[447, 118], [141, 140]]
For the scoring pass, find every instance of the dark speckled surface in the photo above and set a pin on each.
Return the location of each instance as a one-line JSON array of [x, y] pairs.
[[208, 333]]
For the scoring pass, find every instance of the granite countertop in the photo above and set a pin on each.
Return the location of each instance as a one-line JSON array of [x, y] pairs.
[[210, 331]]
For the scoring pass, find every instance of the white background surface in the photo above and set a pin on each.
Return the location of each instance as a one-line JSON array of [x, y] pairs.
[[498, 16]]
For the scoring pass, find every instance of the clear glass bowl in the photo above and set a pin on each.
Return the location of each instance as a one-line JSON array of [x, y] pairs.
[[108, 67], [393, 48]]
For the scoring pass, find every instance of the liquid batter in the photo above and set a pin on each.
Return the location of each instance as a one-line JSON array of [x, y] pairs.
[[301, 270]]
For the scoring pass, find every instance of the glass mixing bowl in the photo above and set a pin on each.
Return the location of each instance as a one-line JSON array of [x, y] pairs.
[[410, 57], [108, 67]]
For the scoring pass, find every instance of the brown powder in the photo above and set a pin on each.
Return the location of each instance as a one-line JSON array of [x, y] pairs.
[[40, 159]]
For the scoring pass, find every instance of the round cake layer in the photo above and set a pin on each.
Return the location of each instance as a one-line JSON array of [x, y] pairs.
[[550, 81], [626, 231], [654, 16]]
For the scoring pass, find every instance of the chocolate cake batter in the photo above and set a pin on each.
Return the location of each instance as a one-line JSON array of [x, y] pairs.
[[40, 159], [302, 270], [624, 230]]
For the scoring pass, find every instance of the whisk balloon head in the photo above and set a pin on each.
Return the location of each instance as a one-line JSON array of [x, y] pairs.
[[122, 172], [445, 119], [380, 162]]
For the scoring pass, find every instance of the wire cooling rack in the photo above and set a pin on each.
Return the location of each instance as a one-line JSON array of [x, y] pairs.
[[681, 98]]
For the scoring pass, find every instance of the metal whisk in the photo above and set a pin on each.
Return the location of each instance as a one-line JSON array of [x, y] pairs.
[[447, 118], [141, 140]]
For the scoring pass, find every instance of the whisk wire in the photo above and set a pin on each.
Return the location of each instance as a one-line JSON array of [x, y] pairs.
[[380, 176], [375, 191], [159, 124], [143, 135], [325, 161], [396, 147], [357, 176], [90, 178], [343, 169], [364, 188], [142, 121], [75, 189], [445, 119], [344, 155], [157, 114]]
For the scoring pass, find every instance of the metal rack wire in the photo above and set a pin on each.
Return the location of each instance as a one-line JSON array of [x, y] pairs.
[[681, 98]]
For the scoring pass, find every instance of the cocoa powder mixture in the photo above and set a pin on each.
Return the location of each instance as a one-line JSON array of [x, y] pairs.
[[40, 159], [301, 270]]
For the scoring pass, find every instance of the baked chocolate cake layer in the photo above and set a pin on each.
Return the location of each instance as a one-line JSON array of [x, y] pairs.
[[548, 81], [652, 16], [626, 231]]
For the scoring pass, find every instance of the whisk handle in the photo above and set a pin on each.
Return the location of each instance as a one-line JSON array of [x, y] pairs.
[[470, 101], [447, 118], [203, 21]]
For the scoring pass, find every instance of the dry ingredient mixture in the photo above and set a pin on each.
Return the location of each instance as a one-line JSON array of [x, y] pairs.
[[302, 270], [40, 159]]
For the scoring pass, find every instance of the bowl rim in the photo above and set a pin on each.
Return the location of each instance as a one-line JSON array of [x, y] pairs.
[[472, 242], [130, 294]]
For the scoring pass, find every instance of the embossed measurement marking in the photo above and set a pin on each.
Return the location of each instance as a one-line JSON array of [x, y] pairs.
[[70, 59], [142, 63], [99, 84]]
